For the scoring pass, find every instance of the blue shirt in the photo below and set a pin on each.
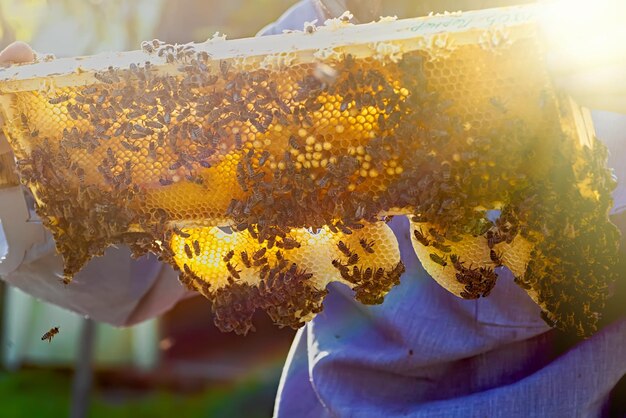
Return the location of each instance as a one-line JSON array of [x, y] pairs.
[[426, 353]]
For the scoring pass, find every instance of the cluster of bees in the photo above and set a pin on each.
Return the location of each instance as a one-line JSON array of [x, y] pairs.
[[149, 158]]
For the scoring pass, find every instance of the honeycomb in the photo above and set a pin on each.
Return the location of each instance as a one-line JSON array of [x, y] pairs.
[[264, 169]]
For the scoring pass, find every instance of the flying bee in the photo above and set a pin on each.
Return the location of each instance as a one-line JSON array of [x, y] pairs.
[[51, 333], [421, 238], [246, 259], [438, 259], [368, 246], [229, 256], [344, 249]]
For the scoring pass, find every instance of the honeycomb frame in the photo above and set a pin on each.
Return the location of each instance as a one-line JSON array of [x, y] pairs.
[[264, 169]]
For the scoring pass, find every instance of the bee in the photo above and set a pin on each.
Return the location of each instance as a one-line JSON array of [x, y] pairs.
[[194, 179], [494, 238], [344, 248], [196, 247], [59, 99], [260, 253], [378, 274], [264, 271], [233, 271], [398, 270], [264, 157], [165, 181], [441, 247], [241, 177], [368, 274], [229, 256], [368, 246], [260, 262], [246, 259], [346, 102], [456, 262], [419, 236], [438, 259], [153, 124], [437, 235], [103, 78], [309, 27], [293, 142], [180, 233], [353, 259], [224, 67], [289, 243], [337, 264], [344, 229], [152, 150], [546, 317], [188, 251], [130, 147], [496, 258], [51, 333]]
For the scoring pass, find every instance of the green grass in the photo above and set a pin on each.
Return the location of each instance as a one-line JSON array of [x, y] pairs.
[[44, 394]]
